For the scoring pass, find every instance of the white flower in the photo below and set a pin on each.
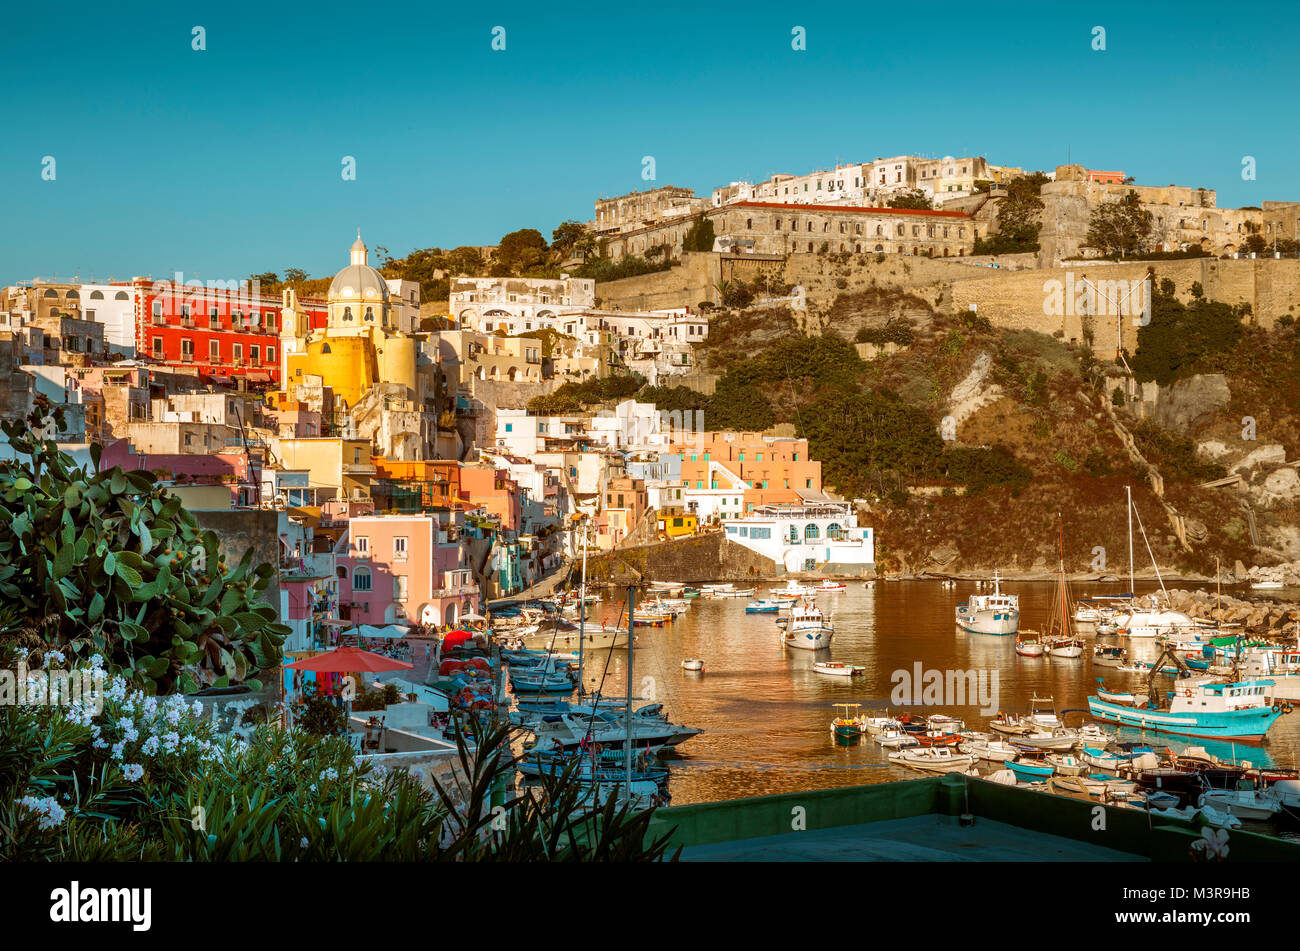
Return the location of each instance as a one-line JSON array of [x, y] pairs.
[[57, 655], [169, 742], [131, 735], [197, 709], [302, 843], [117, 749], [100, 743], [50, 812], [96, 661], [329, 773], [1213, 842], [132, 771], [150, 746]]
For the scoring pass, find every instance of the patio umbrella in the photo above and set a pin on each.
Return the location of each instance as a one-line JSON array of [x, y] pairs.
[[456, 637], [471, 616], [348, 659]]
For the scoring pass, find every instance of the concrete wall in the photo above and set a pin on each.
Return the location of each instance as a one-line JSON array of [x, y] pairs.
[[690, 560], [241, 529], [684, 285]]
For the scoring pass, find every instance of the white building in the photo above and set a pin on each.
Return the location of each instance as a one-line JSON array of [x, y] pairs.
[[807, 537], [517, 304], [721, 499], [113, 306]]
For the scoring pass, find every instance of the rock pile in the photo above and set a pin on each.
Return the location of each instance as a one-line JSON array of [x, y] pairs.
[[1273, 618]]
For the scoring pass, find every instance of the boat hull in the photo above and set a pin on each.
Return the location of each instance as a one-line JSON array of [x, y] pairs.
[[1249, 724], [1000, 622]]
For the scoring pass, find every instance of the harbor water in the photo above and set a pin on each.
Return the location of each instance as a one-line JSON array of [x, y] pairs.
[[766, 712]]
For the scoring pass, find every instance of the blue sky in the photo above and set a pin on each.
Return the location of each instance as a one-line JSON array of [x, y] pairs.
[[226, 161]]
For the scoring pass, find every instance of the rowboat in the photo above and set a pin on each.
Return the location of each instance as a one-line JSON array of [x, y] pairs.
[[1091, 788], [941, 721], [877, 725], [836, 669], [933, 760], [1069, 648], [895, 739], [1029, 648], [1116, 696], [692, 663], [937, 738], [763, 607], [1031, 772]]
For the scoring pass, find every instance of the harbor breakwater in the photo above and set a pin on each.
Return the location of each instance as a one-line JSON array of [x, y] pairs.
[[1271, 618]]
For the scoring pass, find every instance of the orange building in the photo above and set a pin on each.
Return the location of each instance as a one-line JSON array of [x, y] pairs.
[[625, 501], [774, 468]]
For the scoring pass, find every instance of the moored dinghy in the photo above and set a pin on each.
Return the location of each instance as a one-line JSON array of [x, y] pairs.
[[836, 669]]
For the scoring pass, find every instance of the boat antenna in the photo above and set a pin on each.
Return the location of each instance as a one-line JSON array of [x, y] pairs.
[[582, 608]]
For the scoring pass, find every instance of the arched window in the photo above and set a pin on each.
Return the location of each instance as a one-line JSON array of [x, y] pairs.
[[811, 533], [370, 314], [121, 295], [347, 313], [361, 579], [833, 531], [96, 295], [51, 293], [325, 348], [900, 231], [342, 572], [73, 295]]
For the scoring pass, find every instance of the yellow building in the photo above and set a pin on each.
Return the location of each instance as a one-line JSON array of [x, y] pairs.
[[678, 526], [331, 463], [361, 344]]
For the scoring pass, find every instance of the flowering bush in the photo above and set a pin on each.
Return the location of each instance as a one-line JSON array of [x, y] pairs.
[[144, 778]]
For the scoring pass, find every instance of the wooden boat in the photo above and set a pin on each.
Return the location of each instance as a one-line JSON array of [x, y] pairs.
[[763, 607], [937, 738], [1109, 655], [877, 725], [692, 663], [941, 721], [1068, 648], [1029, 646], [1115, 696], [849, 724], [835, 669], [1242, 803], [895, 739]]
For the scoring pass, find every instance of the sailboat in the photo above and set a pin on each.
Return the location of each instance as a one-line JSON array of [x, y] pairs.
[[1154, 620], [1060, 639]]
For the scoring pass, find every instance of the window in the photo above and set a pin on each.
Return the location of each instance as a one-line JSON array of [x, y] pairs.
[[362, 546], [399, 548], [237, 354], [214, 351], [270, 354], [255, 353], [361, 579], [157, 348], [399, 587], [187, 349]]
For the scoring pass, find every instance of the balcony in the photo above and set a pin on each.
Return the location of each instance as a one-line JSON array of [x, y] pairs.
[[359, 468]]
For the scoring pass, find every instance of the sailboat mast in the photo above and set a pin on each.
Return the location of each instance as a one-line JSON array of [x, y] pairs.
[[582, 608], [1128, 491], [1060, 525], [631, 639]]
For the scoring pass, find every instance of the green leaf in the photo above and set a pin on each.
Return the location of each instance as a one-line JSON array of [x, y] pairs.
[[129, 575]]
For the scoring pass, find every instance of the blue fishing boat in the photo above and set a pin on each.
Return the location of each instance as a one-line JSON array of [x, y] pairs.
[[1229, 711], [763, 607]]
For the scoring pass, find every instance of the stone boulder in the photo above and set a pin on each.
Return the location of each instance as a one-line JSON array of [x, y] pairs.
[[1270, 454]]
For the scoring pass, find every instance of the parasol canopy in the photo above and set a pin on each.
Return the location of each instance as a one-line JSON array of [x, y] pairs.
[[348, 659], [453, 638]]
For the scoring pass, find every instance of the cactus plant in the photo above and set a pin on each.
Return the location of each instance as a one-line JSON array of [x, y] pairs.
[[110, 563]]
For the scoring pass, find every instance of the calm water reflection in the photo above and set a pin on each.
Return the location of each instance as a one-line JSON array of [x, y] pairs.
[[766, 713]]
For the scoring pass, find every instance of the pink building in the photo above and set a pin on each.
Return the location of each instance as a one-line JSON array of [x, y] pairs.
[[404, 569], [495, 491]]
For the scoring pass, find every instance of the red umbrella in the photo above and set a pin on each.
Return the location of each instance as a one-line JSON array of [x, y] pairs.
[[348, 659], [456, 637]]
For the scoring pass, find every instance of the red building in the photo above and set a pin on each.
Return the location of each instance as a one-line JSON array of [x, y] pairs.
[[1106, 178], [218, 332]]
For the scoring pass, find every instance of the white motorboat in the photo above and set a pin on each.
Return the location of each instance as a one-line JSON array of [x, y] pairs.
[[944, 723], [1060, 739], [1269, 585], [836, 669], [1067, 765], [1092, 735], [826, 584], [793, 589], [1242, 803], [875, 725], [808, 628], [692, 663], [995, 613], [894, 738], [993, 750], [933, 759]]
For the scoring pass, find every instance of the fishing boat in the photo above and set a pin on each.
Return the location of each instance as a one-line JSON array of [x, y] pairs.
[[692, 663], [848, 724], [1067, 648], [933, 760], [937, 738], [1091, 788], [1058, 739], [1271, 584], [1029, 646], [826, 584], [836, 669], [944, 722], [650, 617], [1230, 711], [995, 613], [763, 607], [808, 628], [1092, 735]]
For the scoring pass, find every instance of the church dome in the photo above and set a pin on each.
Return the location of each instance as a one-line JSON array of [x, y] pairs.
[[359, 281]]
